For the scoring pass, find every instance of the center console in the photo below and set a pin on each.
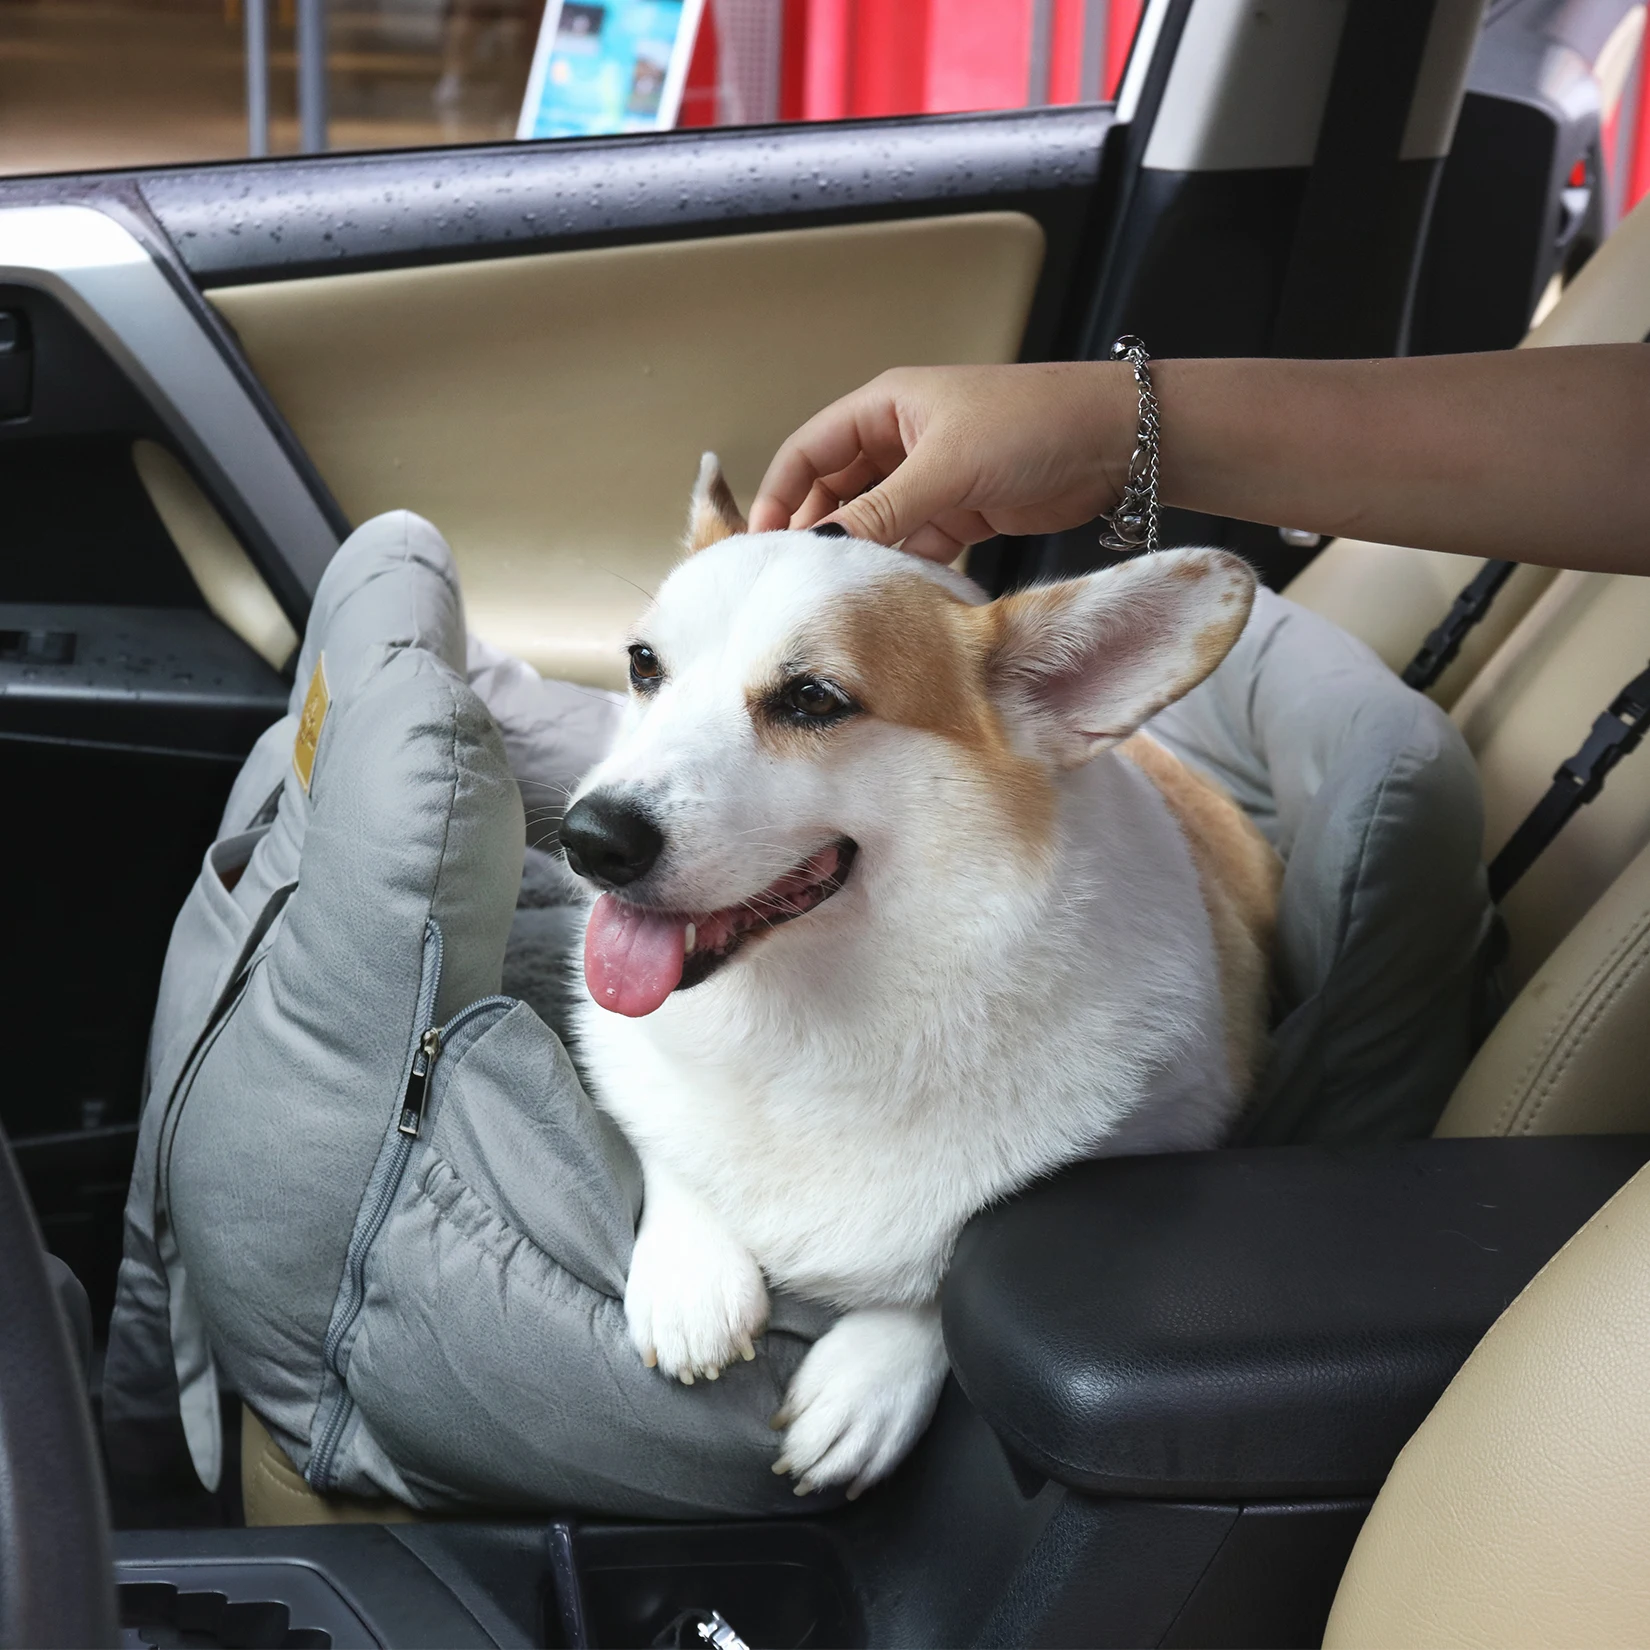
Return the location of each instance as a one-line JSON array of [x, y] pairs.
[[1178, 1384]]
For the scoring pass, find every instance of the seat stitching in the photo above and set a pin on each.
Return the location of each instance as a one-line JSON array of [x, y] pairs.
[[1559, 1025], [284, 1491], [1575, 1034]]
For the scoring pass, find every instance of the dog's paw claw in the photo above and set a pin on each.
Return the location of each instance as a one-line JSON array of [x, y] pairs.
[[694, 1299], [860, 1399]]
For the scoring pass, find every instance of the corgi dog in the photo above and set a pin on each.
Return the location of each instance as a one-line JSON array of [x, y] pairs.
[[897, 912]]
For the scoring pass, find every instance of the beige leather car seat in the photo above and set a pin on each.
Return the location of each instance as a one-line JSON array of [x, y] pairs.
[[1569, 1055], [1519, 1513], [1530, 708], [1391, 596], [274, 1492]]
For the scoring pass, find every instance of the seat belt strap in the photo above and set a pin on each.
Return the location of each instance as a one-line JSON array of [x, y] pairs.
[[1437, 653], [1614, 735]]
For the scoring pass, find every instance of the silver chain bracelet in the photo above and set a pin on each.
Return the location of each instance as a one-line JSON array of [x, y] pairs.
[[1133, 524]]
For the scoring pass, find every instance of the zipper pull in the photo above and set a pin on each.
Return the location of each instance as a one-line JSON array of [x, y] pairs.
[[418, 1084]]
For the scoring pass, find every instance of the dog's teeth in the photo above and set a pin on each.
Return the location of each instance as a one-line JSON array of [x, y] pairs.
[[690, 938]]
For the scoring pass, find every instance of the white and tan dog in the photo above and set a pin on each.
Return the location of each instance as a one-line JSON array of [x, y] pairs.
[[1021, 936]]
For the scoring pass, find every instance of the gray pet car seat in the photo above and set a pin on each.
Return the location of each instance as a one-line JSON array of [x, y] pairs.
[[412, 1267]]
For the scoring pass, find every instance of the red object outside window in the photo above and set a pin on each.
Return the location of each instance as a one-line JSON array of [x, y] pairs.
[[699, 102], [845, 58]]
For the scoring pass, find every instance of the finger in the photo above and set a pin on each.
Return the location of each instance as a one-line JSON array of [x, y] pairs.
[[910, 498], [860, 424], [829, 493], [819, 503], [862, 474], [768, 515], [933, 543]]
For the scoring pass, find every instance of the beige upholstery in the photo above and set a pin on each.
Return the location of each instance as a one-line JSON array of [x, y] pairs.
[[233, 588], [1391, 597], [1609, 300], [274, 1492], [1519, 1513], [1570, 1054], [1529, 708], [547, 412]]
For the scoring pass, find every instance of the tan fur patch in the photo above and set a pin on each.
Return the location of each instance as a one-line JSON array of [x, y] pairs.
[[714, 514], [914, 655], [1239, 874], [1210, 646]]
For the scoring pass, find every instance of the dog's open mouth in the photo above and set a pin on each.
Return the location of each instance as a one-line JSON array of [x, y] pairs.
[[634, 957]]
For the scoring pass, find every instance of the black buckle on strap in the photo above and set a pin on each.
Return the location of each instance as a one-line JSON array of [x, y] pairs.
[[1616, 733], [1437, 653]]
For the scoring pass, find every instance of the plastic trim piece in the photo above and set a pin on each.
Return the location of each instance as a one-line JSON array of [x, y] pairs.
[[104, 276]]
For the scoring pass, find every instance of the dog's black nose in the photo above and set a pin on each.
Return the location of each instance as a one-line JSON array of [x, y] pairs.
[[610, 839], [830, 530]]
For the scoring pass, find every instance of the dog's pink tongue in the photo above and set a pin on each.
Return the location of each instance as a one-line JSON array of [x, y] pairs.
[[632, 958]]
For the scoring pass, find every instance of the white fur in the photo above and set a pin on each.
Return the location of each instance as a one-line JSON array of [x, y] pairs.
[[965, 1015]]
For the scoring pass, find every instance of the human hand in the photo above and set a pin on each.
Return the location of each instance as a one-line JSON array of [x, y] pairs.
[[942, 457]]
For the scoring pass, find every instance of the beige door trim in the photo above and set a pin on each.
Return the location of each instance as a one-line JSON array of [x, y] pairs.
[[547, 412]]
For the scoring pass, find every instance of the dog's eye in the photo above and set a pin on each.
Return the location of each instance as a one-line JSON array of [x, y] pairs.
[[813, 700], [645, 669]]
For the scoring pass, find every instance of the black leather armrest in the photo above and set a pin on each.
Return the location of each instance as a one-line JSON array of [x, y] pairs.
[[1253, 1323]]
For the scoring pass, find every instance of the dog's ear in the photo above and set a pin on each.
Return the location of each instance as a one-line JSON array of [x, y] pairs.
[[714, 515], [1080, 665]]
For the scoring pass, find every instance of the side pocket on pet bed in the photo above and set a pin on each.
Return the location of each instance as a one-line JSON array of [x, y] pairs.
[[489, 1359], [335, 1410]]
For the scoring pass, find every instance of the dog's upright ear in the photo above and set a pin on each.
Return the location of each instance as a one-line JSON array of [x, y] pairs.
[[713, 515], [1078, 666]]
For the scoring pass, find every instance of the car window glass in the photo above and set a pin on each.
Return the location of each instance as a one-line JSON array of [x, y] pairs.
[[90, 84]]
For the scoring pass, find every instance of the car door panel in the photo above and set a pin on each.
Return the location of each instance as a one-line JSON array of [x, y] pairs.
[[532, 345], [547, 412]]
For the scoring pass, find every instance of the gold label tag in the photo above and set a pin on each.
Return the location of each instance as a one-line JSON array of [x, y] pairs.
[[310, 724]]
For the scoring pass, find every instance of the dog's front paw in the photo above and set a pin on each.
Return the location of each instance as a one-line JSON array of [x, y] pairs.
[[862, 1397], [695, 1299]]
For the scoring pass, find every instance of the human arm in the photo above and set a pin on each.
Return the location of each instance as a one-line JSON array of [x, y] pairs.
[[1539, 455]]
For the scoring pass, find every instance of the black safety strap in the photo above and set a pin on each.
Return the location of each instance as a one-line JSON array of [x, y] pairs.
[[1437, 653], [1614, 735]]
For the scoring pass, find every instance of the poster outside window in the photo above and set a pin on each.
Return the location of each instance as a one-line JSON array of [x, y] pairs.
[[608, 66]]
